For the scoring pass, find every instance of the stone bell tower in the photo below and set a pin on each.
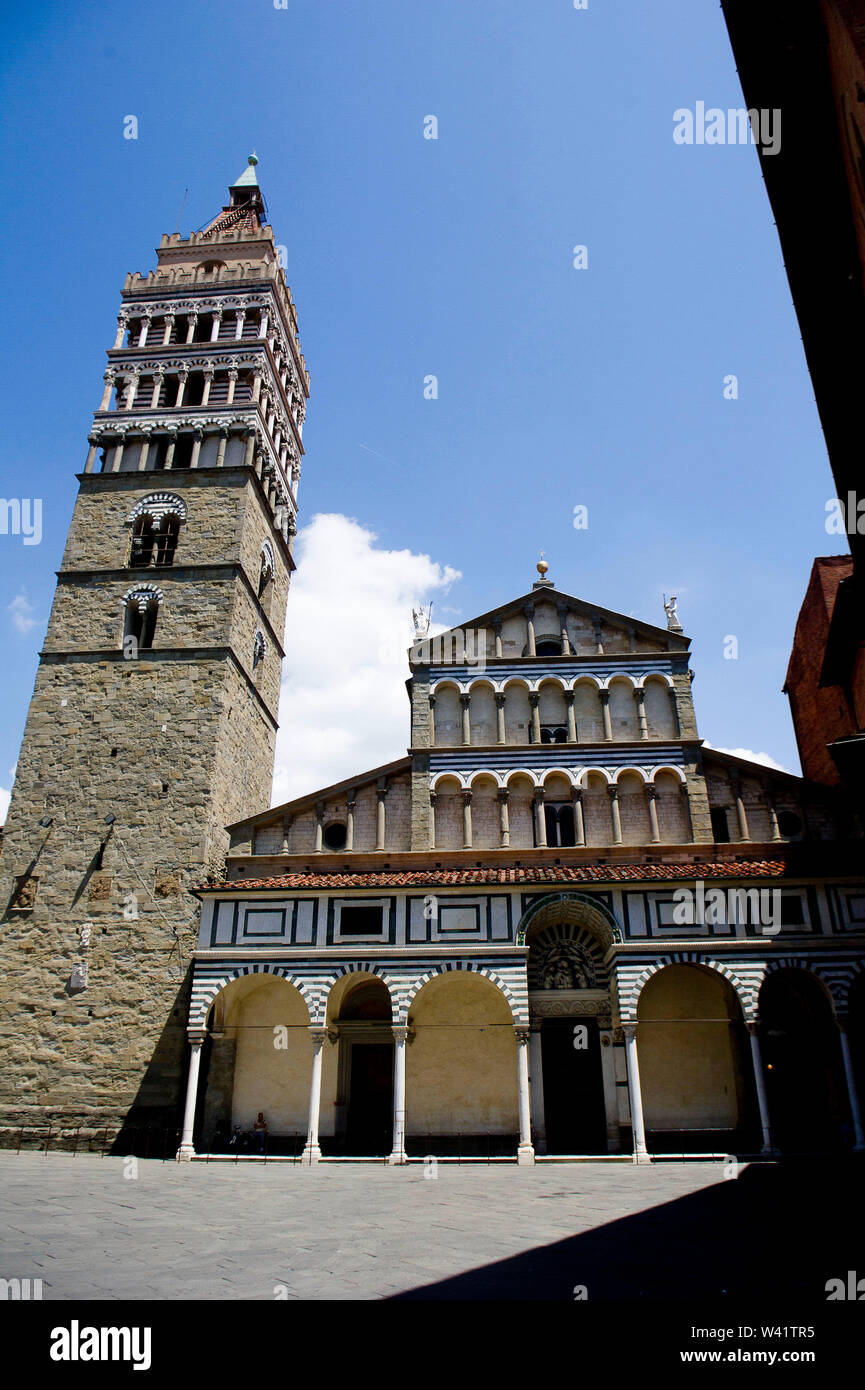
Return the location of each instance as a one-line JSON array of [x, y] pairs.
[[154, 714]]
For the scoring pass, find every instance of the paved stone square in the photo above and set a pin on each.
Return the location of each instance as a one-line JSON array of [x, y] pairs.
[[363, 1231]]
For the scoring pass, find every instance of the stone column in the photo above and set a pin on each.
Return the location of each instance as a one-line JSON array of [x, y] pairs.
[[579, 821], [570, 715], [562, 611], [145, 329], [250, 450], [286, 831], [197, 436], [741, 817], [319, 828], [465, 704], [432, 820], [256, 386], [217, 320], [641, 1153], [536, 1084], [773, 817], [181, 386], [497, 634], [608, 1071], [191, 321], [312, 1150], [350, 805], [108, 378], [117, 458], [131, 390], [640, 697], [169, 452], [604, 696], [143, 452], [534, 702], [93, 441], [540, 818], [262, 325], [169, 326], [221, 447], [525, 1152], [613, 793], [432, 721], [674, 709], [209, 374], [158, 380], [467, 820], [529, 611], [238, 327], [380, 823], [759, 1080], [186, 1150], [501, 736], [504, 820], [122, 322], [400, 1037], [232, 383], [852, 1088], [598, 631], [652, 795]]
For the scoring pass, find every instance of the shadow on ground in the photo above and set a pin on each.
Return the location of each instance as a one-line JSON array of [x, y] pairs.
[[776, 1232]]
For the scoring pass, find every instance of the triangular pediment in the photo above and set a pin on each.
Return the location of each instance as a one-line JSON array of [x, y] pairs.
[[592, 630]]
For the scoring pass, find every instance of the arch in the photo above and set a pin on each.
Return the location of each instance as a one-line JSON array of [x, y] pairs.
[[695, 1072], [548, 772], [805, 1083], [205, 993], [594, 914], [159, 505], [807, 967], [481, 683], [566, 955], [638, 771], [677, 772], [631, 989], [483, 773], [358, 967], [586, 772], [518, 1013], [640, 682], [449, 776]]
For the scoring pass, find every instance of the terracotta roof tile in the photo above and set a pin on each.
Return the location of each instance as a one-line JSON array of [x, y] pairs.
[[553, 873]]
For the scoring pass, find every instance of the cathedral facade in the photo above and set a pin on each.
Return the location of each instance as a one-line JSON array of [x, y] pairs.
[[558, 926]]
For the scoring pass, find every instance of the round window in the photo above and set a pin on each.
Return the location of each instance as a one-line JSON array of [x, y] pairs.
[[789, 823]]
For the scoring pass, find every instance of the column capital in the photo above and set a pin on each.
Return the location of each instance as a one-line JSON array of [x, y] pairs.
[[604, 697], [196, 1036], [570, 696], [467, 797], [401, 1033], [651, 791], [538, 794], [529, 609], [534, 698], [499, 697], [613, 791], [629, 1030], [577, 793], [320, 1036], [522, 1033], [502, 794], [465, 698]]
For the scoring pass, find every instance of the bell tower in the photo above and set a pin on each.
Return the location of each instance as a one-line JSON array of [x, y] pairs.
[[153, 719]]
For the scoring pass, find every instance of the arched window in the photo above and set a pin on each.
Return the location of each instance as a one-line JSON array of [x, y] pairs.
[[548, 646], [553, 733], [141, 612], [265, 575], [259, 648], [155, 530]]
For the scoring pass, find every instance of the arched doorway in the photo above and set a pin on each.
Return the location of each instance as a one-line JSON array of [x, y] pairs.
[[461, 1068], [257, 1058], [360, 1007], [695, 1074], [573, 1080], [802, 1063]]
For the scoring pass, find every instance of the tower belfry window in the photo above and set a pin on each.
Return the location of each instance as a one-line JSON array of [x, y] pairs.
[[142, 610]]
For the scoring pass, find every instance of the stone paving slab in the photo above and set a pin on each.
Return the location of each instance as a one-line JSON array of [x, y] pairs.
[[197, 1231]]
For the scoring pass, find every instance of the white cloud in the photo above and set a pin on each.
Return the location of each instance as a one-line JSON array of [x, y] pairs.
[[765, 758], [4, 804], [344, 707], [22, 612]]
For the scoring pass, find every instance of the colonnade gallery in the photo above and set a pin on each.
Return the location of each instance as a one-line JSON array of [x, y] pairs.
[[559, 925]]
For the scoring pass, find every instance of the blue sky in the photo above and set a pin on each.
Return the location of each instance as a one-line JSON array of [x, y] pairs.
[[453, 257]]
